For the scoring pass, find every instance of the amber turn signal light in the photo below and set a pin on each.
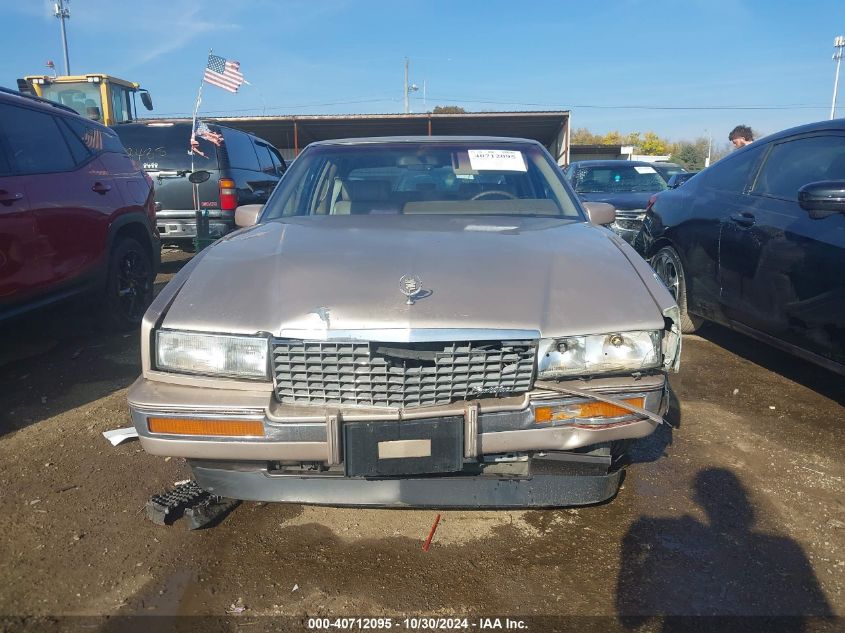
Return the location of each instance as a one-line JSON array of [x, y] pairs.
[[184, 426], [594, 409]]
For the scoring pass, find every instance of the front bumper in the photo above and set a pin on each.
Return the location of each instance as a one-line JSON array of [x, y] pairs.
[[313, 434], [549, 484]]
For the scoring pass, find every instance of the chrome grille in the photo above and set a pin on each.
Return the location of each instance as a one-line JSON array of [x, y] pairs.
[[400, 374]]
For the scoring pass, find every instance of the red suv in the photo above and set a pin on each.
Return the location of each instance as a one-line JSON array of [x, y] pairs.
[[77, 215]]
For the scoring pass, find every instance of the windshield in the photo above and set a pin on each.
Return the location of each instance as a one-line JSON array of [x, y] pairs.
[[82, 96], [423, 178], [616, 179], [164, 147]]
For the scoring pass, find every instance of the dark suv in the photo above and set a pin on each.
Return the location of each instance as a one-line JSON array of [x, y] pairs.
[[244, 170], [76, 214]]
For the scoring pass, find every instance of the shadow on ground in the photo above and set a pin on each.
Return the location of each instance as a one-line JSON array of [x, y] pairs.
[[680, 567]]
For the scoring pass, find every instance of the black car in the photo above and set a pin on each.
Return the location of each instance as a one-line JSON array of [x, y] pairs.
[[626, 184], [244, 170], [667, 170], [757, 242]]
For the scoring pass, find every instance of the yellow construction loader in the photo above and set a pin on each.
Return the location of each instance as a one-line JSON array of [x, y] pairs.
[[98, 96]]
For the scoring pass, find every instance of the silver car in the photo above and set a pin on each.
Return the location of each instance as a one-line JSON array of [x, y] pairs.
[[433, 321]]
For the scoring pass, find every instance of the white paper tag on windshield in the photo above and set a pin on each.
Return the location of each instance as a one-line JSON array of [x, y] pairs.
[[496, 160], [641, 169]]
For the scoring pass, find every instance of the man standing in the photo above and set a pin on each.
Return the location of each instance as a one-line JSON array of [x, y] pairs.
[[741, 136]]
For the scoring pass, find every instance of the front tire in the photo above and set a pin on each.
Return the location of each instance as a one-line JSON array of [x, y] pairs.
[[667, 265], [129, 286]]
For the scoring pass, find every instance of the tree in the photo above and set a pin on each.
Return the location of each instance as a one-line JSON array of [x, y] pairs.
[[448, 110], [612, 138], [653, 145], [689, 155], [583, 136]]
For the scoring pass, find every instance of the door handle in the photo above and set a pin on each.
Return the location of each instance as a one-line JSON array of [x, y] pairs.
[[101, 188], [743, 219], [9, 198]]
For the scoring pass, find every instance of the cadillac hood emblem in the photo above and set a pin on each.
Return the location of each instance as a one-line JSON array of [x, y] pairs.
[[411, 286]]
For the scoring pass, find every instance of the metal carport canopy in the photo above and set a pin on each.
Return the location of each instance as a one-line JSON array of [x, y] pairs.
[[292, 133]]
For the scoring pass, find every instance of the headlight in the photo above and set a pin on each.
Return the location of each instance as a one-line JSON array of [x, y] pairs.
[[212, 354], [598, 353]]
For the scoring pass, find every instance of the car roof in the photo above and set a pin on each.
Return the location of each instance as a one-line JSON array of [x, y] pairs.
[[160, 123], [383, 140], [834, 124], [611, 162], [45, 105]]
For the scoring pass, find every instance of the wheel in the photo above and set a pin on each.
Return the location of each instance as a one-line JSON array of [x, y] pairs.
[[667, 265], [129, 286]]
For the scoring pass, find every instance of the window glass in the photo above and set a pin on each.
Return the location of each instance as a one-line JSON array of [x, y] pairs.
[[791, 165], [5, 169], [425, 178], [732, 173], [80, 152], [164, 146], [620, 178], [264, 159], [35, 141], [82, 96], [96, 138], [278, 161], [240, 150], [120, 103]]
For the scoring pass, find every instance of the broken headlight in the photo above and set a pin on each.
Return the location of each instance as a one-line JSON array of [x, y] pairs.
[[599, 354]]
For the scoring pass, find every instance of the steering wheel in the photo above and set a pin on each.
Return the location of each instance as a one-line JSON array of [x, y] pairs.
[[494, 192]]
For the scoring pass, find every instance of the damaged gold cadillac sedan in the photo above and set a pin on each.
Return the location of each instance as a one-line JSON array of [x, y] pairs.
[[431, 321]]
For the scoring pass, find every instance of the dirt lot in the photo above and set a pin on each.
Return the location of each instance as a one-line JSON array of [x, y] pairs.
[[738, 510]]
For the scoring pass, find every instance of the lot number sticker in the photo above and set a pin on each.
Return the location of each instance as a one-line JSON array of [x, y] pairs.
[[496, 160], [645, 170]]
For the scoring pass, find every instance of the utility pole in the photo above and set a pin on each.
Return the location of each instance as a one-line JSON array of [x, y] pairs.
[[838, 44], [408, 89], [63, 13], [709, 147], [405, 91]]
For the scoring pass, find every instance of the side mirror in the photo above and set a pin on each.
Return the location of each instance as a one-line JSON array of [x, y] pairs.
[[600, 213], [199, 176], [823, 198], [674, 182], [247, 214], [146, 99]]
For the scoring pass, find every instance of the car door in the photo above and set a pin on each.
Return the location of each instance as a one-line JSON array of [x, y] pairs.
[[61, 184], [18, 234], [692, 217], [782, 269]]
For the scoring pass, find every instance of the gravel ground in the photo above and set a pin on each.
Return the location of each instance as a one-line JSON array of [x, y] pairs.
[[736, 511]]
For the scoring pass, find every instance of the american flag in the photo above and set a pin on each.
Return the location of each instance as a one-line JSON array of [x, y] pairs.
[[203, 131], [223, 73]]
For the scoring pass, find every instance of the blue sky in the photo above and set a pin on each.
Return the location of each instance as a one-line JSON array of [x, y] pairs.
[[346, 56]]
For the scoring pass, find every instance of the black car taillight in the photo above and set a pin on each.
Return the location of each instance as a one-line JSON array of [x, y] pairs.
[[228, 194]]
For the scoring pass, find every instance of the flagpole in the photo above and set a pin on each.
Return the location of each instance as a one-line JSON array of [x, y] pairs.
[[194, 187]]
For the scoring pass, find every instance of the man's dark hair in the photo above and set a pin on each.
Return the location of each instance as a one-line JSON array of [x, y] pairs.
[[741, 131]]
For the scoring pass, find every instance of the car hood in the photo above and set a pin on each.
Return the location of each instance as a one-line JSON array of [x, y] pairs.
[[318, 277], [622, 201]]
